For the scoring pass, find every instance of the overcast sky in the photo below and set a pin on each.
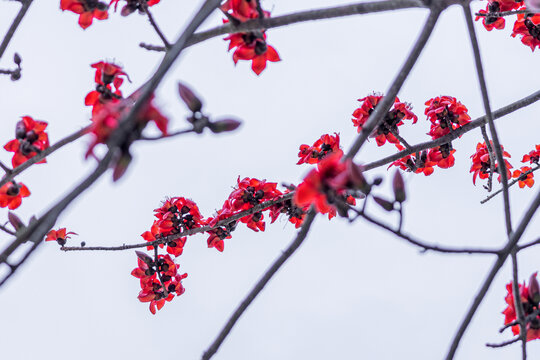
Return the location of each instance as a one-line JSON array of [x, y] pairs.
[[351, 291]]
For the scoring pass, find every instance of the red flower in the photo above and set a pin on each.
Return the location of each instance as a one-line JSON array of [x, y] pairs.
[[533, 156], [152, 289], [525, 176], [30, 139], [107, 76], [528, 26], [325, 185], [106, 120], [446, 114], [86, 9], [443, 156], [176, 215], [530, 297], [389, 126], [493, 22], [242, 10], [322, 147], [11, 195], [296, 214], [481, 163], [417, 164], [60, 236], [252, 46]]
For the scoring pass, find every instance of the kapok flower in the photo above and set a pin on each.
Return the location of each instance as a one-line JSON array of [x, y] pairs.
[[481, 163], [108, 79], [530, 297], [132, 6], [152, 272], [528, 27], [533, 156], [445, 114], [524, 176], [389, 126], [242, 10], [443, 156], [419, 163], [176, 215], [322, 147], [86, 9], [296, 214], [252, 46], [11, 194], [30, 139], [327, 184], [60, 236], [490, 21]]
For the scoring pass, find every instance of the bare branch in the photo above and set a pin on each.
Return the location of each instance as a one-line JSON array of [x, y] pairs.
[[11, 31], [504, 343], [511, 183]]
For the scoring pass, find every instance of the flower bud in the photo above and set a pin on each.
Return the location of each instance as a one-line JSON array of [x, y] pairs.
[[385, 204], [144, 257], [17, 59], [224, 125], [356, 177], [399, 187], [15, 221], [534, 289], [193, 102], [121, 166]]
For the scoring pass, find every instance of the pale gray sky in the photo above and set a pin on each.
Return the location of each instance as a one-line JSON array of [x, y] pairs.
[[351, 291]]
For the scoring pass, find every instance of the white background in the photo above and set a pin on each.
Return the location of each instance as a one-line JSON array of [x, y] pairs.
[[351, 291]]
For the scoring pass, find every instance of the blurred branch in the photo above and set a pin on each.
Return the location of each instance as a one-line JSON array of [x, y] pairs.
[[173, 134], [285, 255], [11, 31]]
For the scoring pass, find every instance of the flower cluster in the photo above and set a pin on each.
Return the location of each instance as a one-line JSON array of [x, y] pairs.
[[446, 114], [528, 27], [530, 298], [250, 45], [159, 280], [325, 145], [388, 128], [481, 163], [30, 139], [60, 236], [491, 21], [108, 78]]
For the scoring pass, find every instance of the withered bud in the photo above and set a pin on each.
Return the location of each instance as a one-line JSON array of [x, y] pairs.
[[224, 125], [356, 177], [15, 75], [121, 166], [193, 102], [399, 187], [377, 181], [144, 257], [17, 59], [15, 221], [385, 204], [534, 289]]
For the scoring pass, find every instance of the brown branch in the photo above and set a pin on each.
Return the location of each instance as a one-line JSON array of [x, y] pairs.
[[504, 13], [6, 169], [6, 230], [526, 101], [173, 134], [11, 31], [421, 244], [42, 155], [166, 239], [510, 184], [151, 47], [285, 255], [504, 343], [144, 6]]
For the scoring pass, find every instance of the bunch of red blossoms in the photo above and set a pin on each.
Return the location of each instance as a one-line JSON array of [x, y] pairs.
[[159, 280], [250, 45], [528, 27], [446, 114], [328, 186], [417, 164], [30, 139], [388, 128], [530, 298], [494, 6], [176, 215], [325, 145], [533, 156], [481, 163], [107, 76]]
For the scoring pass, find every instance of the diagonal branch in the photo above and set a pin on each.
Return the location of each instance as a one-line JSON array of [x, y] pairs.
[[11, 31]]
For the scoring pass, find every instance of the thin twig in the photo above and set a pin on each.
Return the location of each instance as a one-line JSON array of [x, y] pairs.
[[6, 169], [421, 244], [510, 184], [516, 105], [518, 305], [382, 107], [6, 230], [285, 255], [144, 5], [528, 245], [151, 47], [169, 135], [42, 155], [504, 13], [504, 343], [11, 31]]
